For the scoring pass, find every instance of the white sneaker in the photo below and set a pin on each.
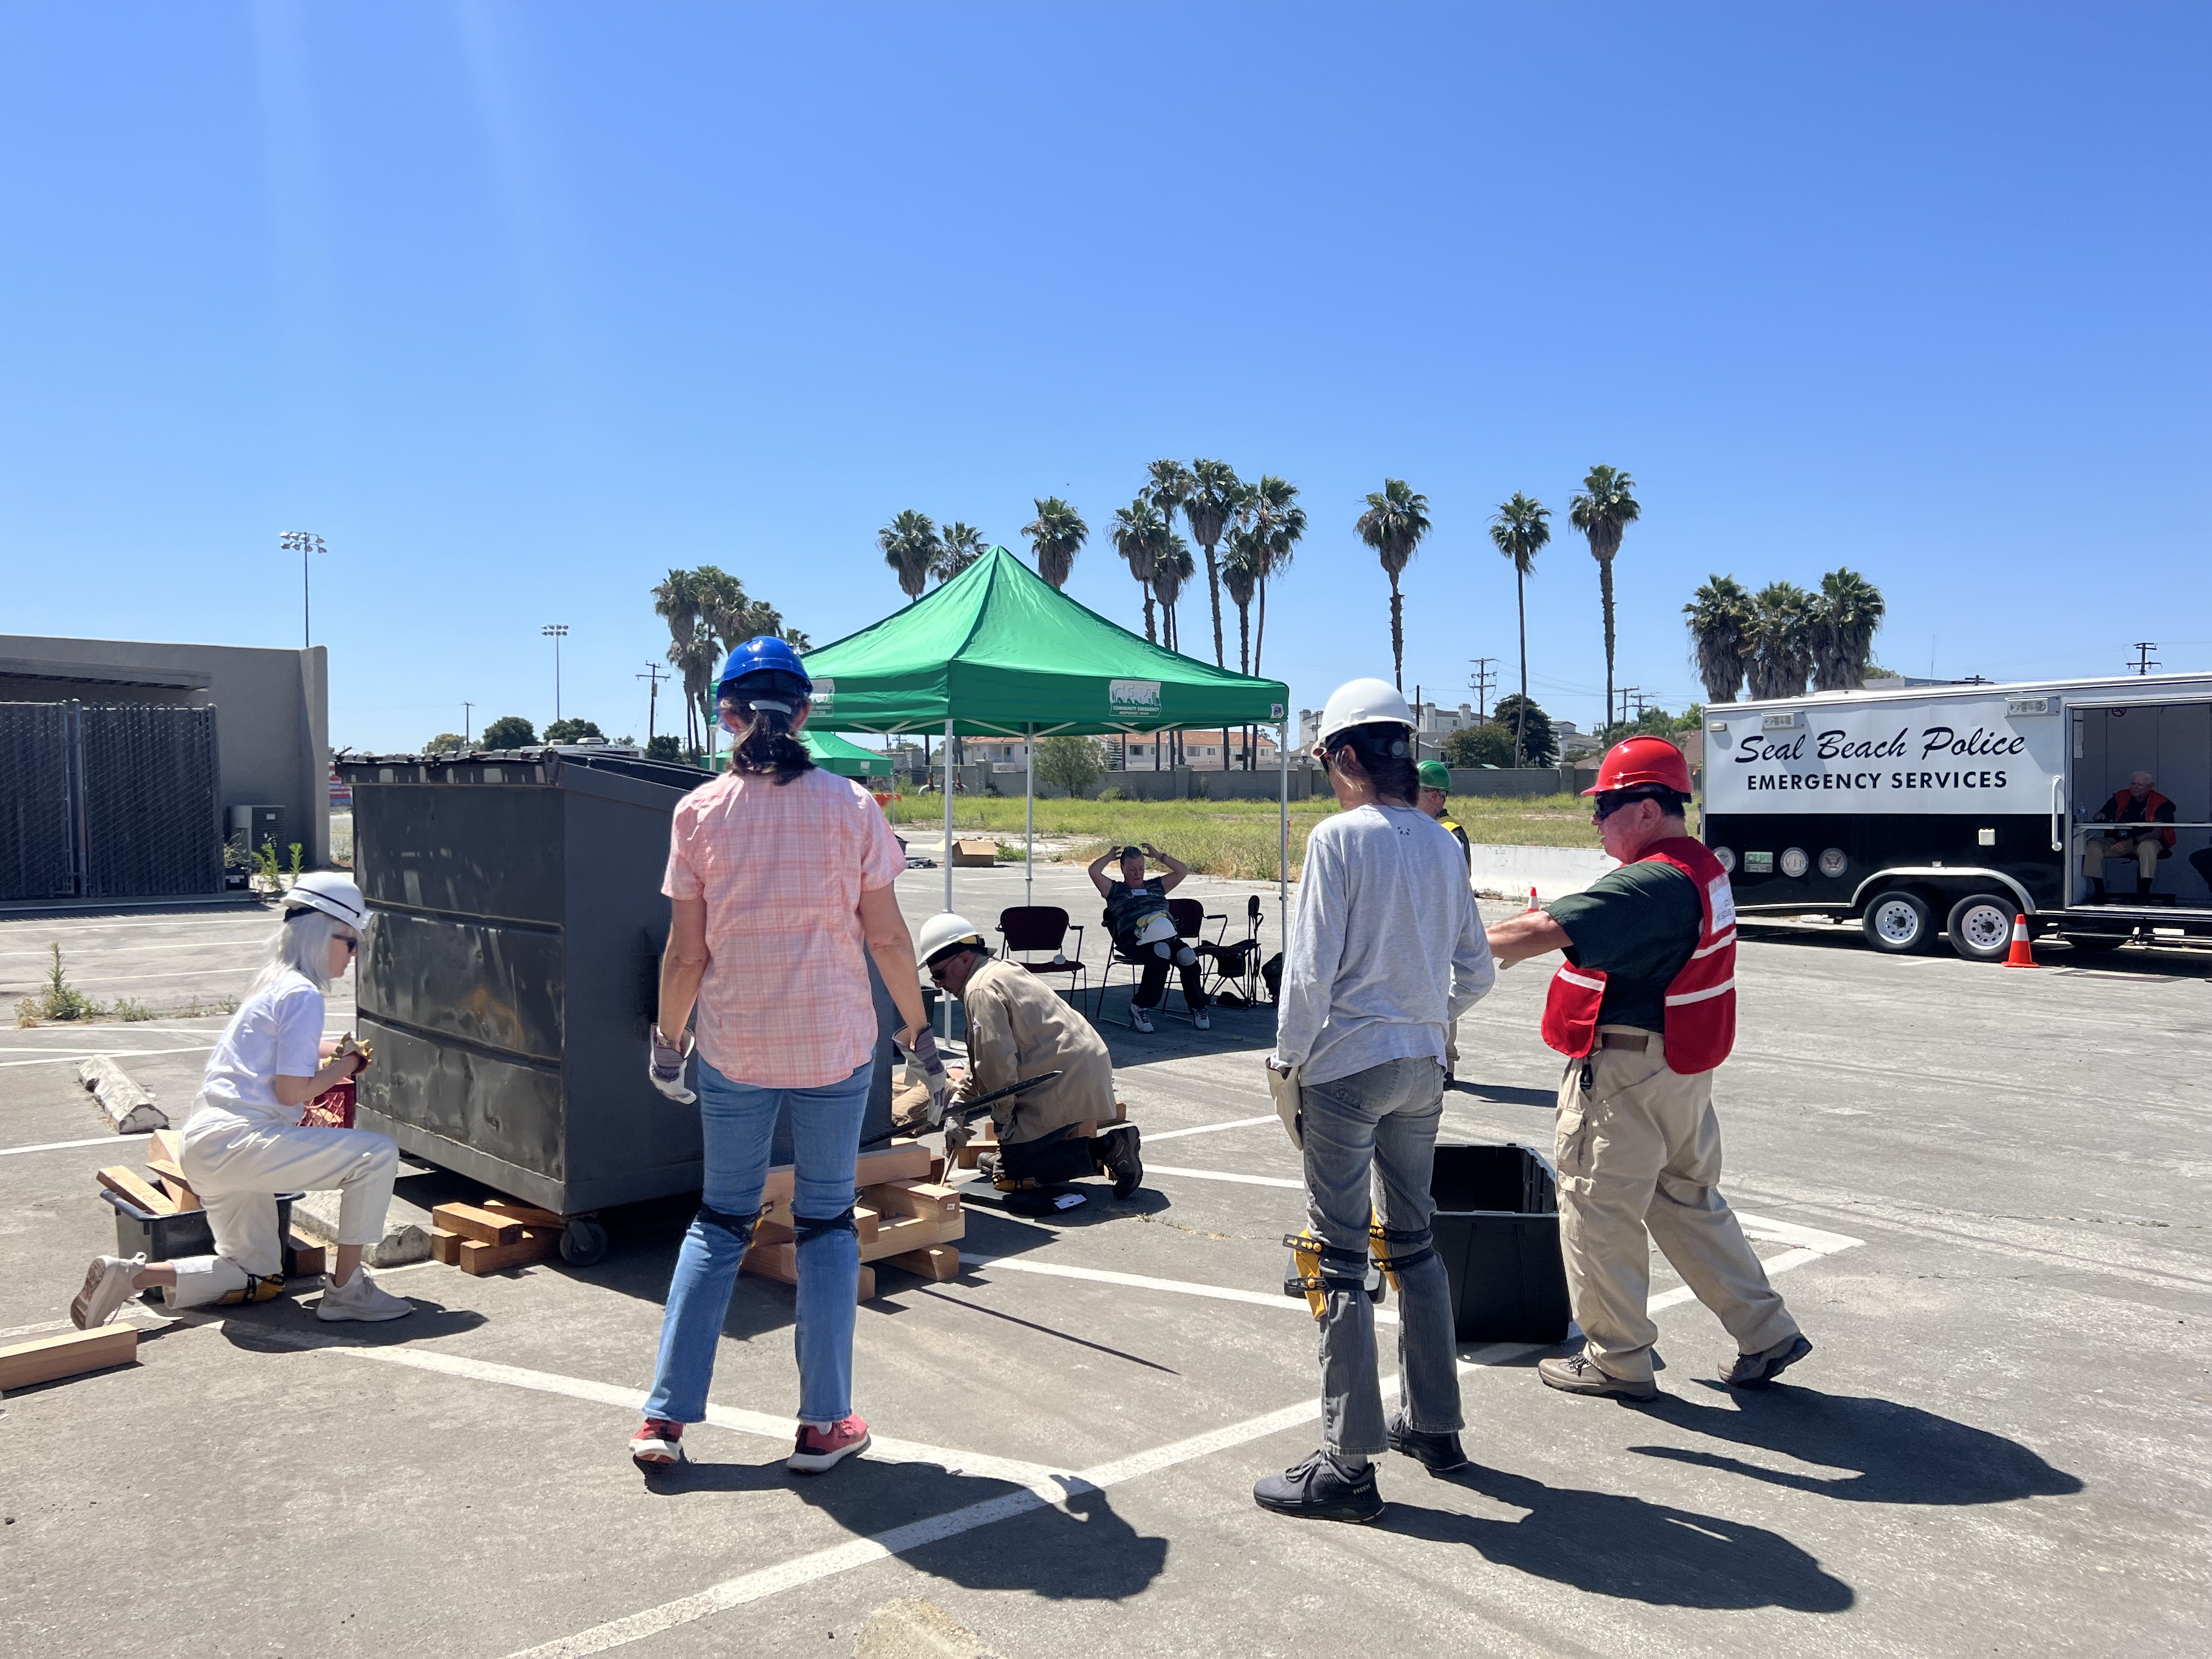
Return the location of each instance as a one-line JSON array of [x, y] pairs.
[[1203, 1020], [361, 1297], [107, 1287], [1140, 1018]]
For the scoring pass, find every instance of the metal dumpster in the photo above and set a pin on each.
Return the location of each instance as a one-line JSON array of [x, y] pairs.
[[511, 968]]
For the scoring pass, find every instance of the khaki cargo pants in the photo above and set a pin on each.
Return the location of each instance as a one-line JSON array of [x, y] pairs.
[[1640, 1159]]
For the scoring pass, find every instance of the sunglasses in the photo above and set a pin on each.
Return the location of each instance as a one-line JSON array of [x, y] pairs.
[[352, 943], [1608, 804]]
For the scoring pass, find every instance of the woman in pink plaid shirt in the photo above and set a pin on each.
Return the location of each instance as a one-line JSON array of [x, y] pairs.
[[780, 883]]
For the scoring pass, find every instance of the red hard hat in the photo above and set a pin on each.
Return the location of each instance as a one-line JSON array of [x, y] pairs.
[[1643, 759]]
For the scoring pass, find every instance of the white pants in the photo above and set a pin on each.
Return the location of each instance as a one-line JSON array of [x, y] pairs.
[[238, 1170]]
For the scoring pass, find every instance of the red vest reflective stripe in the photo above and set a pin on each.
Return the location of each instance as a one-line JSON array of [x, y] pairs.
[[1700, 1000], [2123, 798]]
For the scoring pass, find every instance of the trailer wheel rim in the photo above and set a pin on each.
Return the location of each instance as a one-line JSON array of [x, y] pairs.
[[1987, 928], [1897, 921]]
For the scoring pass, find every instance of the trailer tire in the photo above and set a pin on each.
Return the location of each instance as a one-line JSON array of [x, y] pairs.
[[1980, 926], [1898, 922]]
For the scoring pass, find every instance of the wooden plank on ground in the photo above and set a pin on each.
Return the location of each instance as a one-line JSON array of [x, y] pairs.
[[484, 1226], [536, 1244], [937, 1261], [779, 1262], [528, 1214], [921, 1198], [865, 1218], [304, 1260], [913, 1233], [72, 1354], [445, 1247], [903, 1160], [173, 1183], [129, 1183]]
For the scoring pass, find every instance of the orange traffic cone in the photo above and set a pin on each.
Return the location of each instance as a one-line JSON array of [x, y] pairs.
[[2023, 953], [1532, 900]]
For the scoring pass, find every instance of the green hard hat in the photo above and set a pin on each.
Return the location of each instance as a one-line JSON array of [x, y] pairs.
[[1435, 774]]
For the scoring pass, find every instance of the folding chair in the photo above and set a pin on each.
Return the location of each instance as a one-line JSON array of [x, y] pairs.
[[1235, 964], [1027, 928], [1190, 918]]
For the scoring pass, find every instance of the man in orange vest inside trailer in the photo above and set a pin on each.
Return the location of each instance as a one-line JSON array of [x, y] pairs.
[[2137, 809], [1645, 1011]]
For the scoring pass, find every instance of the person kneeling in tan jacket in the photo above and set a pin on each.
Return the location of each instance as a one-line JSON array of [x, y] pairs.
[[1018, 1027]]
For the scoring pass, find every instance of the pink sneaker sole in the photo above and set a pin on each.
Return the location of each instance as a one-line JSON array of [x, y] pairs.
[[802, 1462]]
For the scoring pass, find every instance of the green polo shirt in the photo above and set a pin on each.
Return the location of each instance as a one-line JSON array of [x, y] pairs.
[[1639, 924]]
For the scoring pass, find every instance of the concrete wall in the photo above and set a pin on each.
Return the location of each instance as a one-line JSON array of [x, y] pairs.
[[1511, 872], [272, 711]]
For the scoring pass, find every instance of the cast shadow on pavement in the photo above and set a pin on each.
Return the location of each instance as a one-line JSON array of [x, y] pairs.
[[1895, 1454], [1080, 1550], [264, 1329], [1609, 1544]]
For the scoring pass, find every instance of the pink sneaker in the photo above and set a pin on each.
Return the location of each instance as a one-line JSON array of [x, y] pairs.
[[818, 1449], [657, 1444]]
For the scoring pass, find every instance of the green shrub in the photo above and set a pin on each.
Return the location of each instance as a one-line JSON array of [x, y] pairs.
[[57, 998], [129, 1008], [1112, 792]]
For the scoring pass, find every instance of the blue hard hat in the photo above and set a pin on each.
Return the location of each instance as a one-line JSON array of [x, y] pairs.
[[765, 654]]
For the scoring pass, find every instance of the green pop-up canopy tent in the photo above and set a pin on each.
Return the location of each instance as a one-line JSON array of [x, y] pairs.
[[847, 760], [998, 651]]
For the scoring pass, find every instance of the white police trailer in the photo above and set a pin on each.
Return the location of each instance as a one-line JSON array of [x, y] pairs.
[[1934, 810]]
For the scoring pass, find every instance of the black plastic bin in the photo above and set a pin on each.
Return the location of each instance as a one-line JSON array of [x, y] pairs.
[[1497, 1229], [512, 969], [186, 1233]]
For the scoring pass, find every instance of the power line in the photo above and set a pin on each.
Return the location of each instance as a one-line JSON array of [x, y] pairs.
[[1480, 682], [2144, 662]]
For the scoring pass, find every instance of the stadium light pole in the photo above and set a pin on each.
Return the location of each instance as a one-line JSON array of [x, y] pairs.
[[555, 632], [303, 543]]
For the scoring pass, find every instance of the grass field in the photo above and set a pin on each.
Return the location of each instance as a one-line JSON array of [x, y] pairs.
[[1235, 838]]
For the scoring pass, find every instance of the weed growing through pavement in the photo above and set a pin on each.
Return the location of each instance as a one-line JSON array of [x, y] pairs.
[[57, 999], [129, 1008]]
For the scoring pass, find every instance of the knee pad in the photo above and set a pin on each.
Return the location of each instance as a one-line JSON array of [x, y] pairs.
[[1164, 951], [1317, 1268], [1395, 1251], [806, 1227], [1186, 957], [739, 1227]]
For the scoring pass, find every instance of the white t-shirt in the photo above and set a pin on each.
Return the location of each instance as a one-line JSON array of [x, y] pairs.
[[278, 1031]]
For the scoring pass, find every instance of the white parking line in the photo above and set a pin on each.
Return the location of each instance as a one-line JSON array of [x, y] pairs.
[[1141, 1282], [1209, 1128], [1225, 1174], [78, 1056], [63, 1145]]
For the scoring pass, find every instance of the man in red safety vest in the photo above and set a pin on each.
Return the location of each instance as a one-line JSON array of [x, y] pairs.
[[1645, 1010]]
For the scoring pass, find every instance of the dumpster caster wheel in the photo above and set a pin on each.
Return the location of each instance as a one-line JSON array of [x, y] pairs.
[[583, 1244]]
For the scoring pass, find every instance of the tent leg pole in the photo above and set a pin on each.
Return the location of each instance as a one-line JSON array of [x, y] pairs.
[[1283, 868], [1029, 842], [948, 812]]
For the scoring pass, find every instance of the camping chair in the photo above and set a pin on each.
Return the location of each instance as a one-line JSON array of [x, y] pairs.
[[1190, 918], [1235, 964], [1027, 928]]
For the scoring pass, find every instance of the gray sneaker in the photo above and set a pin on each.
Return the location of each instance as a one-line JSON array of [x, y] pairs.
[[108, 1286], [1577, 1374], [1756, 1371], [361, 1297]]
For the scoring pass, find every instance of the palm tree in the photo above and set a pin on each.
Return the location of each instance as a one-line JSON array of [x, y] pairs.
[[676, 602], [1138, 530], [1172, 568], [1781, 658], [696, 658], [962, 546], [1276, 515], [1170, 484], [1722, 618], [1393, 524], [1845, 617], [1240, 573], [1214, 503], [1057, 533], [911, 548], [1602, 512], [1520, 530]]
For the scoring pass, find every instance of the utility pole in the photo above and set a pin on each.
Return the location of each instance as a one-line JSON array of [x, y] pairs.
[[302, 543], [654, 675], [555, 632], [1642, 702], [1417, 722], [468, 710], [2144, 662], [1480, 682]]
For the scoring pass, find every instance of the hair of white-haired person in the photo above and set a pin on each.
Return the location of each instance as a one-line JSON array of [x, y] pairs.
[[302, 942]]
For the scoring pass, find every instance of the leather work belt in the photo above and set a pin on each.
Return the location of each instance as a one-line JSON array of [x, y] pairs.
[[1638, 1041]]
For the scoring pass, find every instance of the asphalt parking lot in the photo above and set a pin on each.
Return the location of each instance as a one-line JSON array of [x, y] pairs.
[[1981, 1191]]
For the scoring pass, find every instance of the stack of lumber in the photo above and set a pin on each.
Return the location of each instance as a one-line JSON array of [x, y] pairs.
[[905, 1217], [163, 1190], [986, 1135], [493, 1236]]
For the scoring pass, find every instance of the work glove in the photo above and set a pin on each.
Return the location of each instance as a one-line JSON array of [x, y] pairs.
[[362, 1052], [664, 1065], [932, 1066]]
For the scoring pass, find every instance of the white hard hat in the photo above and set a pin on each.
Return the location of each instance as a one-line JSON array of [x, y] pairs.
[[332, 894], [1361, 702], [944, 930]]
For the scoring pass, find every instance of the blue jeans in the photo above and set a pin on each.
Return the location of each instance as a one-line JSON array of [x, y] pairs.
[[738, 1121]]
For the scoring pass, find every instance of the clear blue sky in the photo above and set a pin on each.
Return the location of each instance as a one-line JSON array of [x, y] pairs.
[[518, 304]]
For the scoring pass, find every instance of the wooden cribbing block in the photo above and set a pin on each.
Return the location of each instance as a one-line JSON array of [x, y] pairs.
[[780, 1262], [129, 1183], [913, 1233], [484, 1226], [173, 1183], [937, 1261], [863, 1218], [304, 1260], [528, 1214], [169, 1146], [70, 1354], [921, 1198], [903, 1160], [971, 1155], [937, 1167], [445, 1247], [536, 1244]]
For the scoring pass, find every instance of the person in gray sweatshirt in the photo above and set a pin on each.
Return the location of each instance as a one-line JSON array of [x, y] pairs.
[[1386, 953]]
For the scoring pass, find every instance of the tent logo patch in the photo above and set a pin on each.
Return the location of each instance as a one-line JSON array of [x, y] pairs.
[[825, 697], [1132, 696]]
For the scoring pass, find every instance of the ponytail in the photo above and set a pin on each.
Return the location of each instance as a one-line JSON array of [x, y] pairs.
[[762, 740], [1386, 755]]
